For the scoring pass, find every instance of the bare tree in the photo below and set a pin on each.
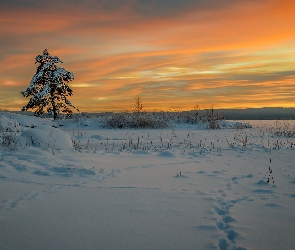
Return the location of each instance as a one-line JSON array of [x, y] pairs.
[[138, 105]]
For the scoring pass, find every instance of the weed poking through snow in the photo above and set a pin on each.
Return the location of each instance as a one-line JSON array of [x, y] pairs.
[[270, 174]]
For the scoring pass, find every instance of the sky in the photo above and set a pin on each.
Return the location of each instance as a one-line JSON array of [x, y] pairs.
[[174, 54]]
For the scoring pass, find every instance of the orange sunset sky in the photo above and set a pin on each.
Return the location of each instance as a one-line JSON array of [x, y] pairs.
[[174, 54]]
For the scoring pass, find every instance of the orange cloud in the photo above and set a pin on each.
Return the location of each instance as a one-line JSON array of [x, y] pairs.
[[236, 54]]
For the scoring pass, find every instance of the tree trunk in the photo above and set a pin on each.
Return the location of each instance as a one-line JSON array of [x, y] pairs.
[[53, 105], [54, 113]]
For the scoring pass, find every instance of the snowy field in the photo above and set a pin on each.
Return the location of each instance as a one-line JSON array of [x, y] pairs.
[[84, 187]]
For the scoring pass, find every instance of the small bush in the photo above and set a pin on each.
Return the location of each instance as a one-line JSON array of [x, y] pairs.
[[8, 141], [135, 120], [285, 130]]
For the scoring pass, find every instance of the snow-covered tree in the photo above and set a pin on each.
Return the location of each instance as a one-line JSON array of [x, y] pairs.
[[48, 88]]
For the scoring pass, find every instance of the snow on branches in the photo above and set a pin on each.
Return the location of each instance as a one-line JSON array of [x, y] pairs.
[[48, 88]]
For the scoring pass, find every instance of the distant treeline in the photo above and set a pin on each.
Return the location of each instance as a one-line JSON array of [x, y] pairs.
[[237, 114], [255, 113]]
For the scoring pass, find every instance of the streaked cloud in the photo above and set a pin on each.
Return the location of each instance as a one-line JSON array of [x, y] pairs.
[[175, 54]]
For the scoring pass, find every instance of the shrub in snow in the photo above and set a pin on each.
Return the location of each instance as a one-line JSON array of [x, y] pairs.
[[46, 137], [285, 129], [8, 130], [139, 118], [202, 120], [49, 88], [8, 140], [213, 118], [9, 125], [135, 120], [234, 125]]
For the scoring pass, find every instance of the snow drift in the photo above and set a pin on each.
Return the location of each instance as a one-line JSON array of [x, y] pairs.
[[46, 137]]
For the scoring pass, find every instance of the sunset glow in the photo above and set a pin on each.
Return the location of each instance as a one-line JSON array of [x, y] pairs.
[[174, 54]]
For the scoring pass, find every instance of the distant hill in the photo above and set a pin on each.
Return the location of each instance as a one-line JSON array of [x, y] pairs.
[[259, 114]]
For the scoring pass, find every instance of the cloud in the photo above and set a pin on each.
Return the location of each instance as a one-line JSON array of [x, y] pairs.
[[176, 53], [149, 7]]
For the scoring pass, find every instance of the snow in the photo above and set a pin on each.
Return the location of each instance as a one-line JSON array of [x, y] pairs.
[[46, 137], [86, 187]]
